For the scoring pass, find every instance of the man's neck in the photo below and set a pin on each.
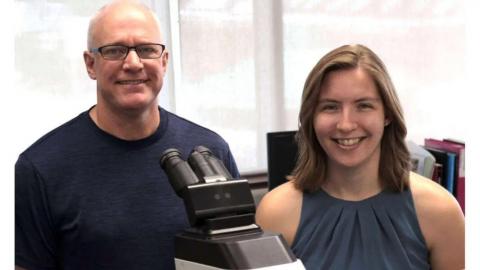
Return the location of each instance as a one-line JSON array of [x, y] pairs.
[[128, 126]]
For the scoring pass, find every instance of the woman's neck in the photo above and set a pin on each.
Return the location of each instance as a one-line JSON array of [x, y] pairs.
[[356, 183]]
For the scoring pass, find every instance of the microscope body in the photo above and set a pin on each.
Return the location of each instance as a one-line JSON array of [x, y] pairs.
[[245, 250], [221, 212]]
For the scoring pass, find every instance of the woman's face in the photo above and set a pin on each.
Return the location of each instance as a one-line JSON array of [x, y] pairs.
[[349, 119]]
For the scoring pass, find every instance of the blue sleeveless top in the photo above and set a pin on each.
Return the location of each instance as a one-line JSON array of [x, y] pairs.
[[380, 232]]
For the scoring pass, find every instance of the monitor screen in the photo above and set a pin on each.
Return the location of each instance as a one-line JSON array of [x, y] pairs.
[[281, 156]]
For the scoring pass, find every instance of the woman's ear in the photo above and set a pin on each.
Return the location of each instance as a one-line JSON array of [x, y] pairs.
[[386, 122]]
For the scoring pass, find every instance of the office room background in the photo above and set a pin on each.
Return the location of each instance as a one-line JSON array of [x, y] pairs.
[[238, 66]]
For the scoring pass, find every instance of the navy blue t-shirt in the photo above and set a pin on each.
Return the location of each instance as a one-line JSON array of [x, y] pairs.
[[85, 199]]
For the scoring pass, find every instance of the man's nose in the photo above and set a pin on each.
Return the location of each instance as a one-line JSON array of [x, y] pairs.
[[132, 61]]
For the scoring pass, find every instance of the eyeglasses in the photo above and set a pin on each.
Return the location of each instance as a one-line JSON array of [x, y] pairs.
[[120, 52]]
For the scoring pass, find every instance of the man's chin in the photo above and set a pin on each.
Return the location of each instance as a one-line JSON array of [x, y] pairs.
[[137, 106]]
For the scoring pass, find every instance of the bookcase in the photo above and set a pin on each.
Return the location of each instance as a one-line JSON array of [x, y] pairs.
[[442, 161]]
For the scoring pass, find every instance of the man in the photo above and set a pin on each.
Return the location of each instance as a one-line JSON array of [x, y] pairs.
[[91, 193]]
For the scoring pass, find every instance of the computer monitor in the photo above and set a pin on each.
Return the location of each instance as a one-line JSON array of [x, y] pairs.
[[281, 156]]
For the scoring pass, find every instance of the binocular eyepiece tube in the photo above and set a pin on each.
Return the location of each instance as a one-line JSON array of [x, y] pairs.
[[207, 166], [202, 167], [178, 171]]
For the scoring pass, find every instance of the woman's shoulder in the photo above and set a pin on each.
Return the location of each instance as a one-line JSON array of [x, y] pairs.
[[280, 201], [286, 189], [280, 209], [428, 195], [441, 221]]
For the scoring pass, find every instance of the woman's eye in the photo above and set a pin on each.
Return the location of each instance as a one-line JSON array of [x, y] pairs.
[[363, 106], [328, 107]]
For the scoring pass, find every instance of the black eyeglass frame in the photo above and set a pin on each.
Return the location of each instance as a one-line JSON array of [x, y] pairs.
[[129, 48]]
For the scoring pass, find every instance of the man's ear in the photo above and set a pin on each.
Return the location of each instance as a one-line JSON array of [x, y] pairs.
[[165, 60], [89, 62]]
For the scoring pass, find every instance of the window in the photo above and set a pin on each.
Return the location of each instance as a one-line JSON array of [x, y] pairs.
[[218, 72], [238, 66]]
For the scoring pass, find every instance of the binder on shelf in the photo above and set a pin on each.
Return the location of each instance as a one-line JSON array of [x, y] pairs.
[[437, 173], [450, 145], [457, 147], [447, 160], [456, 141]]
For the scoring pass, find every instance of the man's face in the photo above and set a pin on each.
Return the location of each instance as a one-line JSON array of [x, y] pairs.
[[131, 84]]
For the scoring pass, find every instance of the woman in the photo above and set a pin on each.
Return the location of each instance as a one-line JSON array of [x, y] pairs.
[[351, 202]]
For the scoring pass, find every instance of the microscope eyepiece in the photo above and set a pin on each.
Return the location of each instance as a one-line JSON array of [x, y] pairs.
[[178, 171], [200, 166], [214, 163]]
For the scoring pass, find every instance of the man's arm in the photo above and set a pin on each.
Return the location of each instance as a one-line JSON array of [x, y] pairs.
[[34, 236]]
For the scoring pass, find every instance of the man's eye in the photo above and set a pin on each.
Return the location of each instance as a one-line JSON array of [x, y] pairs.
[[146, 50], [114, 51]]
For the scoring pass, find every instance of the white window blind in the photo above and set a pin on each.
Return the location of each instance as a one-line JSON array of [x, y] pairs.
[[244, 63], [238, 66]]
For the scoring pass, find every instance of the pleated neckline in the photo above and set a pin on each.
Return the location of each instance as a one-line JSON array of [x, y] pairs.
[[351, 202]]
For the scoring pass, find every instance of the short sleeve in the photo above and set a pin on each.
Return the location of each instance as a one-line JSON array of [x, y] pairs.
[[231, 165], [35, 243]]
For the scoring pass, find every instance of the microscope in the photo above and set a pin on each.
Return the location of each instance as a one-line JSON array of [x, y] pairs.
[[221, 212]]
